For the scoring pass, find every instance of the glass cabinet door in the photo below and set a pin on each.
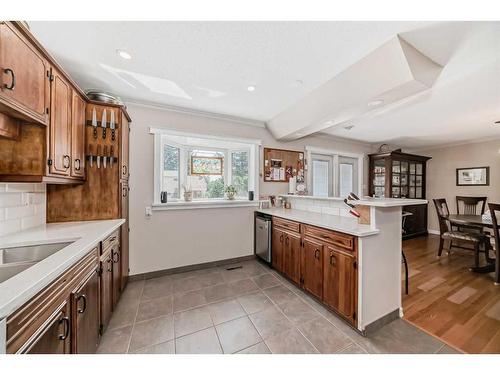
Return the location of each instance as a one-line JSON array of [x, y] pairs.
[[379, 178], [416, 180]]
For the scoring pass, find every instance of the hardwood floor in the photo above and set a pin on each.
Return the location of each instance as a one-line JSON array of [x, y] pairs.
[[448, 301]]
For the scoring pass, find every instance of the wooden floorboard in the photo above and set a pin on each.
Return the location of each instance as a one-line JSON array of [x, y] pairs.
[[448, 301]]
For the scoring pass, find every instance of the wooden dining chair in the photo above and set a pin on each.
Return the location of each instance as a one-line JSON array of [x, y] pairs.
[[470, 205], [455, 236], [494, 211]]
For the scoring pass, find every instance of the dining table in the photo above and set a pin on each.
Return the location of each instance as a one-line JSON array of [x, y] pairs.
[[477, 221]]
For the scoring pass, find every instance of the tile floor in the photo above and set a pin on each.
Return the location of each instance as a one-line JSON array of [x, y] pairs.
[[250, 310]]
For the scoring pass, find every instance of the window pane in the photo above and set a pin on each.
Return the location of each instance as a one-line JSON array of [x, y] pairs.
[[206, 186], [320, 177], [170, 173], [346, 179], [239, 172], [206, 165]]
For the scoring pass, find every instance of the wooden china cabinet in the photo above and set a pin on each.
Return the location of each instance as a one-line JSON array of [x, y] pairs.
[[396, 174]]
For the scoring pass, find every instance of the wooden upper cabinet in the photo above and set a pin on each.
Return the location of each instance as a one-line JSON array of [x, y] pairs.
[[60, 126], [291, 256], [85, 313], [24, 91], [124, 144], [77, 136], [340, 281], [312, 270]]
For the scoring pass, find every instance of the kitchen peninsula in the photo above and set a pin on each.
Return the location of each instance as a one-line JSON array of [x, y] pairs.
[[354, 269]]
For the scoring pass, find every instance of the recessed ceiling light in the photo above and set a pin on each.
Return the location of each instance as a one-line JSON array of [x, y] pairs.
[[375, 103], [251, 88], [123, 54], [296, 83]]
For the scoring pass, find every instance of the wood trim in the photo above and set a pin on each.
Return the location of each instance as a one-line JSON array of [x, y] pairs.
[[286, 224], [10, 128]]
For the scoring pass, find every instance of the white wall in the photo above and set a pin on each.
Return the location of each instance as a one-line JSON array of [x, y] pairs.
[[171, 239], [22, 206]]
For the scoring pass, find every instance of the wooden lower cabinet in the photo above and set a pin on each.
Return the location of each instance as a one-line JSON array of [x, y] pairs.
[[340, 282], [277, 245], [312, 272], [291, 256], [321, 261], [85, 312], [117, 274], [55, 335], [106, 297]]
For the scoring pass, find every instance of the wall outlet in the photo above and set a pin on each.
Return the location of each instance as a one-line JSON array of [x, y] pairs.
[[149, 212]]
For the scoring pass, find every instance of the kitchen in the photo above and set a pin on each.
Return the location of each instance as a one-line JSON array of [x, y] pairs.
[[147, 212]]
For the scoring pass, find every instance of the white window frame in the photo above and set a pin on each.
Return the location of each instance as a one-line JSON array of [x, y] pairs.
[[335, 154], [254, 146]]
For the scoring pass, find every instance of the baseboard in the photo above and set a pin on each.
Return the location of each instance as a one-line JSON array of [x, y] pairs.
[[433, 231], [379, 323], [193, 267]]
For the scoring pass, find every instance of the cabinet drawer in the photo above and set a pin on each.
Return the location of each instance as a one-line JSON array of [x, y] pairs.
[[342, 240], [286, 224], [111, 240], [24, 323]]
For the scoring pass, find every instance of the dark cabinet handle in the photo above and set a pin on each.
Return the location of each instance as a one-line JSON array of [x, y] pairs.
[[281, 238], [287, 240], [111, 239], [316, 254], [332, 260], [77, 164], [64, 320], [66, 161], [124, 169], [12, 81], [110, 261], [117, 257], [83, 297], [124, 192]]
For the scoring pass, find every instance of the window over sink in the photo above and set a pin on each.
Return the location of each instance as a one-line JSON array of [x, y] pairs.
[[204, 165]]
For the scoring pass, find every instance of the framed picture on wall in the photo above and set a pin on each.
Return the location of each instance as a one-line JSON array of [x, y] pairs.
[[477, 176]]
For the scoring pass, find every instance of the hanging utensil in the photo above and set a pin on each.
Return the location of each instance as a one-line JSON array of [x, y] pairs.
[[112, 125], [103, 124], [94, 122], [105, 157], [91, 156], [98, 156]]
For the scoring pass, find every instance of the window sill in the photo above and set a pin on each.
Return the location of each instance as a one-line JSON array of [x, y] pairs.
[[181, 205]]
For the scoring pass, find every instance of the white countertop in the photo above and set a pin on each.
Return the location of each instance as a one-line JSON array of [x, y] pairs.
[[334, 222], [15, 291], [366, 201]]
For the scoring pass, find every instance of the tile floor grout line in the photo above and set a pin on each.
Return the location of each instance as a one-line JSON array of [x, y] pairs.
[[136, 313], [216, 333]]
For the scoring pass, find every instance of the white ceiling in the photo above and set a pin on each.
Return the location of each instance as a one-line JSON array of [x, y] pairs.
[[208, 65]]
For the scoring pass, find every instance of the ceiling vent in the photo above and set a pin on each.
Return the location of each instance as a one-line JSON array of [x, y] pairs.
[[392, 72]]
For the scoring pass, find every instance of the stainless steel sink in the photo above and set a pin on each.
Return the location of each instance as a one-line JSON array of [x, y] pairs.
[[16, 259]]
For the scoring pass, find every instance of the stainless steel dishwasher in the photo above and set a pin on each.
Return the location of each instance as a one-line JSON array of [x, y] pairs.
[[262, 243]]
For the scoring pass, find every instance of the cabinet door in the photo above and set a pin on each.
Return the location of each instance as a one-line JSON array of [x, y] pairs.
[[291, 256], [55, 338], [277, 249], [77, 136], [124, 154], [60, 126], [117, 274], [312, 274], [85, 313], [339, 285], [24, 83], [124, 234], [106, 295]]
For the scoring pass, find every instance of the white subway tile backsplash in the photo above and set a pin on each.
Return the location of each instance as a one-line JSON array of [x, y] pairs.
[[22, 206]]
